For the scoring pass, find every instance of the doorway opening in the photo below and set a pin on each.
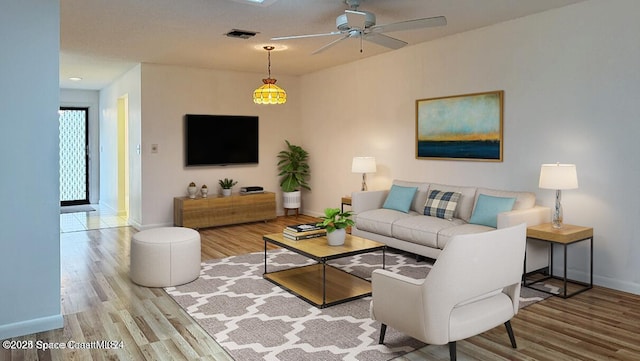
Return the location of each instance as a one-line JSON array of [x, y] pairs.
[[74, 156], [123, 156]]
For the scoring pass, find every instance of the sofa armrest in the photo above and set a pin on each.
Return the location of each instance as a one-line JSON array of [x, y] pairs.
[[532, 216], [367, 200]]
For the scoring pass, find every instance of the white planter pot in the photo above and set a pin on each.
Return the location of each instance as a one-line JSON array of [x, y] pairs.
[[291, 200], [336, 238], [226, 192]]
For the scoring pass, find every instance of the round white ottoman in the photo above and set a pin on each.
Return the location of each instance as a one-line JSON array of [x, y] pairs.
[[165, 256]]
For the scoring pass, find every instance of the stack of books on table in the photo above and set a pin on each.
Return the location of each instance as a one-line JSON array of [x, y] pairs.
[[303, 231]]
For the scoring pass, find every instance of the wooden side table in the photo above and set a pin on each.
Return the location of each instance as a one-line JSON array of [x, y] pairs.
[[345, 201], [565, 236]]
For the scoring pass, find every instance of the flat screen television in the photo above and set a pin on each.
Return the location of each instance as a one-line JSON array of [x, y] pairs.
[[220, 140]]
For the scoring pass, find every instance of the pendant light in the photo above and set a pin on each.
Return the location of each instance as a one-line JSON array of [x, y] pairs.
[[269, 92]]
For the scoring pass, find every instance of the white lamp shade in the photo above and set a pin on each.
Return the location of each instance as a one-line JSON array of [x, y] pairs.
[[363, 165], [558, 176]]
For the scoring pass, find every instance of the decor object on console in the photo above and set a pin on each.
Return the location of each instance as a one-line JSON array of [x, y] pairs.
[[226, 185], [294, 170], [452, 303], [336, 223], [269, 92], [558, 176], [192, 190], [204, 191], [460, 127], [415, 232], [363, 165]]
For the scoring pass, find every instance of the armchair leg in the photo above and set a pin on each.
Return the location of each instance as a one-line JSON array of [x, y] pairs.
[[383, 330], [512, 337], [452, 351]]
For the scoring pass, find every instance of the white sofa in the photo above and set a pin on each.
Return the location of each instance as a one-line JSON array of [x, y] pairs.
[[427, 235]]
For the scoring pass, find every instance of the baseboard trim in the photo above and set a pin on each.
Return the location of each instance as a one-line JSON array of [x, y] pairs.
[[31, 326]]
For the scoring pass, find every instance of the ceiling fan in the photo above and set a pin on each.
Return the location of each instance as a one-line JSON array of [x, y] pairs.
[[356, 23]]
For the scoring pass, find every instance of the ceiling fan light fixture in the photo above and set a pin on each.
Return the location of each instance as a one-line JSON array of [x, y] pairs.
[[269, 92]]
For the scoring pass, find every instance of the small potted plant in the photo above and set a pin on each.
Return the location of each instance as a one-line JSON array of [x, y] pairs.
[[336, 222], [226, 185]]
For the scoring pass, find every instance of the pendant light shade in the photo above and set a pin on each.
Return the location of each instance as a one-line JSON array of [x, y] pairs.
[[269, 92]]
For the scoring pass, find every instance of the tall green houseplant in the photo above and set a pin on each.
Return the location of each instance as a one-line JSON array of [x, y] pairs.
[[294, 168]]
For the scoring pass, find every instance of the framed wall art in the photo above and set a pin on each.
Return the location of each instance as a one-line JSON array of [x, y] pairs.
[[460, 127]]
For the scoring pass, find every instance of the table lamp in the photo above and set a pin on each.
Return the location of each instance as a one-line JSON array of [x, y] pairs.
[[363, 165], [558, 176]]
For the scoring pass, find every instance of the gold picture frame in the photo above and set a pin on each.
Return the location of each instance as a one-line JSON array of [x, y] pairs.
[[461, 127]]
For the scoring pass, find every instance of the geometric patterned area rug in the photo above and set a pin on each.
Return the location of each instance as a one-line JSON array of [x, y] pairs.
[[253, 319]]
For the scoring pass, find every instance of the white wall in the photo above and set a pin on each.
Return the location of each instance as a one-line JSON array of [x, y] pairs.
[[29, 186], [170, 92], [127, 85], [571, 80], [88, 99]]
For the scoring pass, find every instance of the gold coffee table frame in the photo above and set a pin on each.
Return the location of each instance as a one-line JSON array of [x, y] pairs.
[[320, 284]]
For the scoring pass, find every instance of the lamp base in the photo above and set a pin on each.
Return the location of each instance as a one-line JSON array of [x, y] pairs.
[[556, 218], [364, 182]]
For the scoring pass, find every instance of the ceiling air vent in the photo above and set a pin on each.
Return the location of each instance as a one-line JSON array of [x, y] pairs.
[[241, 34]]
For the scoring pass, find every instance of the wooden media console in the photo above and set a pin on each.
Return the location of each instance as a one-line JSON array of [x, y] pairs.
[[218, 210]]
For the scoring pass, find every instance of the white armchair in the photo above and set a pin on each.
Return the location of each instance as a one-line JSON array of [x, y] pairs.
[[473, 287]]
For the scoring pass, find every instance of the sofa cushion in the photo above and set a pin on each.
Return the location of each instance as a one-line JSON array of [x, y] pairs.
[[524, 200], [487, 208], [422, 230], [441, 204], [400, 198], [379, 221], [447, 233], [466, 201], [421, 195]]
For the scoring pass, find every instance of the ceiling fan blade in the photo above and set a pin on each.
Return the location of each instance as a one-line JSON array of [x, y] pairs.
[[330, 44], [356, 19], [410, 24], [384, 40], [306, 36]]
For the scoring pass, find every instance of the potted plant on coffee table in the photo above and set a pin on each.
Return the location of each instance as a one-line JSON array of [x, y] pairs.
[[294, 170], [226, 185], [336, 223]]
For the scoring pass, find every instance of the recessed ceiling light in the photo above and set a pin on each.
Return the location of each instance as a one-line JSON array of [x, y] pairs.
[[257, 2], [75, 78]]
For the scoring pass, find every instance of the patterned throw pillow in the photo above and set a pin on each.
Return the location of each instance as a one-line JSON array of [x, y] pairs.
[[441, 204]]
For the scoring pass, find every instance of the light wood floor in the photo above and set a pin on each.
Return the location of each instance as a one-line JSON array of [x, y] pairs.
[[99, 302]]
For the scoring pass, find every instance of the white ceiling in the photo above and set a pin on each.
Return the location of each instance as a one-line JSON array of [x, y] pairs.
[[102, 39]]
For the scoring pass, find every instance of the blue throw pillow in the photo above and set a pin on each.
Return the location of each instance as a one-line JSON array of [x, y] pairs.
[[487, 209], [400, 198]]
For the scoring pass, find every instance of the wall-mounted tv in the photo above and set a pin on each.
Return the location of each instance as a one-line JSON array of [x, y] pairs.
[[220, 139]]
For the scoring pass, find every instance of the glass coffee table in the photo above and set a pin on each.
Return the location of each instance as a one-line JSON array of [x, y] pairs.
[[320, 284]]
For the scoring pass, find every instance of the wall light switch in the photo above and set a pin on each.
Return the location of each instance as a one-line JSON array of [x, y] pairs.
[[154, 148]]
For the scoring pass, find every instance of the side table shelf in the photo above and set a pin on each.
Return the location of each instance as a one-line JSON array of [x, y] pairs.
[[565, 236], [345, 201], [217, 210]]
